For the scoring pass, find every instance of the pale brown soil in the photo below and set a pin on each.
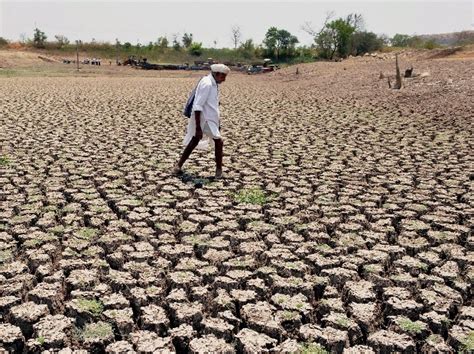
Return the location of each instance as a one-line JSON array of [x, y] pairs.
[[362, 242]]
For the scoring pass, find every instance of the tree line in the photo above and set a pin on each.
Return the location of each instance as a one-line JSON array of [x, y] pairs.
[[337, 38]]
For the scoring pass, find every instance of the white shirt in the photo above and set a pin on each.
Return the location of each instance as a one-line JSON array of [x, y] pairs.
[[206, 99]]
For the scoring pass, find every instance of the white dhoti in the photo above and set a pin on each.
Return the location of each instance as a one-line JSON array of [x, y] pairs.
[[210, 131]]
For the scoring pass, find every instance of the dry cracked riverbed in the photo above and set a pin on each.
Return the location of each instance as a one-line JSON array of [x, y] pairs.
[[343, 224]]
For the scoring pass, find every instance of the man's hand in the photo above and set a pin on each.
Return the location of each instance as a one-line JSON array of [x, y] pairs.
[[198, 134]]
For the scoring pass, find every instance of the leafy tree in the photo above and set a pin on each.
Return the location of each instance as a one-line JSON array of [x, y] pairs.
[[39, 38], [127, 45], [342, 30], [247, 49], [335, 37], [401, 40], [195, 49], [176, 45], [365, 42], [326, 42], [464, 38], [61, 40], [187, 40], [162, 42], [279, 42]]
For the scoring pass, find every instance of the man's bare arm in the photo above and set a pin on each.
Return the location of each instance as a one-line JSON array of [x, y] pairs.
[[197, 115]]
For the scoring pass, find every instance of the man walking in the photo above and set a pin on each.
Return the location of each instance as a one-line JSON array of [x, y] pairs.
[[204, 118]]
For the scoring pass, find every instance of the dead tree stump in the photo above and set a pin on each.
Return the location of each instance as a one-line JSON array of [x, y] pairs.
[[398, 82]]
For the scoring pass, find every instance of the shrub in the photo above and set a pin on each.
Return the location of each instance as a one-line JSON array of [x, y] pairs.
[[3, 42], [39, 38], [195, 49]]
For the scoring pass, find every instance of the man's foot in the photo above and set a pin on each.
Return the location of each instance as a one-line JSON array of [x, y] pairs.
[[177, 170], [218, 174]]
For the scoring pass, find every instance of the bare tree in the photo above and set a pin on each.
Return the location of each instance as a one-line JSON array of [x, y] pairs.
[[308, 27], [236, 35], [356, 21]]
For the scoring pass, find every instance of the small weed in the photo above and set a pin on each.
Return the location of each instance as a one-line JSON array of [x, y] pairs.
[[40, 340], [323, 247], [311, 348], [435, 338], [5, 256], [295, 281], [31, 243], [94, 307], [59, 229], [291, 265], [299, 305], [408, 325], [4, 160], [467, 344], [97, 330], [343, 322], [288, 315], [252, 196], [86, 233]]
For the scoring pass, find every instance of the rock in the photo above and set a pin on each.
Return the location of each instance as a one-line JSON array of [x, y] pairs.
[[388, 341], [122, 347], [361, 292], [260, 317], [26, 314], [54, 331], [154, 318], [218, 327], [250, 341], [333, 339], [359, 349], [181, 336], [50, 294], [149, 342], [122, 320], [210, 344], [11, 338], [408, 308], [435, 344]]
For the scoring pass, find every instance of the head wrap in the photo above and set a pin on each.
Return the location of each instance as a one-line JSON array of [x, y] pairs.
[[220, 68]]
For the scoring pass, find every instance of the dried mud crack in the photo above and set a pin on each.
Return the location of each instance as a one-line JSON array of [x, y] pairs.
[[344, 223]]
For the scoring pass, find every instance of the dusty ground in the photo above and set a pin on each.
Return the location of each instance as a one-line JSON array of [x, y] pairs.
[[344, 223]]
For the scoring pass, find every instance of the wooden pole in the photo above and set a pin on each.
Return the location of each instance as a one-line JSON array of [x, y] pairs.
[[77, 55], [116, 51]]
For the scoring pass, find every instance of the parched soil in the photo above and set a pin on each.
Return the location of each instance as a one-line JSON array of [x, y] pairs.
[[344, 222]]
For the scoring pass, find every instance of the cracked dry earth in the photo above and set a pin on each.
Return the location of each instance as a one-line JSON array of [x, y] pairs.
[[358, 238]]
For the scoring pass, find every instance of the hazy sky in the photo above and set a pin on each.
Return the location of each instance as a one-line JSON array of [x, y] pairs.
[[211, 21]]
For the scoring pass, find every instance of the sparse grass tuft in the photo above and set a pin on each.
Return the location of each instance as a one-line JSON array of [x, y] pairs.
[[97, 331], [312, 348], [40, 340], [4, 160], [343, 321], [86, 233], [408, 325], [467, 344], [252, 196], [94, 307], [289, 315], [5, 256]]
